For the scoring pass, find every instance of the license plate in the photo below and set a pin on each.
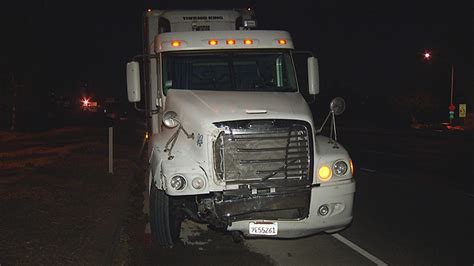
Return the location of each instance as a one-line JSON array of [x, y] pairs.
[[263, 229]]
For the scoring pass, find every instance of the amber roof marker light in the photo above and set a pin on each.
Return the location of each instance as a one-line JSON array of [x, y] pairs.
[[248, 42], [213, 42], [175, 43], [282, 41], [230, 42]]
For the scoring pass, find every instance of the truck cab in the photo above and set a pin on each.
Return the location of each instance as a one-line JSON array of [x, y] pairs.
[[233, 142]]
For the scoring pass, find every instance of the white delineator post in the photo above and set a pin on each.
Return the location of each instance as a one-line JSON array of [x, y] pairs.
[[111, 150]]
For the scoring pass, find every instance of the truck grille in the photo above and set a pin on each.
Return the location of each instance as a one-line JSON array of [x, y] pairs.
[[253, 151]]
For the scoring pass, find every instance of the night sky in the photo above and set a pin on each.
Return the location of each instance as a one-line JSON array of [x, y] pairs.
[[364, 48]]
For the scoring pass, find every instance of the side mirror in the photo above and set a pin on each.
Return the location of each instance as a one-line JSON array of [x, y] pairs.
[[313, 76], [337, 106], [133, 81]]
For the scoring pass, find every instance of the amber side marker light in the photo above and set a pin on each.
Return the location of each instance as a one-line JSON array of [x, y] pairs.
[[175, 43], [282, 41], [351, 164], [230, 42], [213, 42], [248, 42]]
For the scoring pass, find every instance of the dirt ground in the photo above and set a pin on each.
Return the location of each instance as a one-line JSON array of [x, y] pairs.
[[58, 203]]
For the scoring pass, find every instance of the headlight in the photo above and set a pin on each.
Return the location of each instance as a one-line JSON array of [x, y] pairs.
[[324, 173], [169, 119], [178, 182], [340, 168]]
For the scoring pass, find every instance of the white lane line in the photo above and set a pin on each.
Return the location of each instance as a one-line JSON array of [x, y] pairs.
[[387, 153], [467, 194], [359, 249], [367, 170]]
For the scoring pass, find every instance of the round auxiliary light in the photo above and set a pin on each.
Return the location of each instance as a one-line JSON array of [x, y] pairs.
[[198, 183], [340, 168], [170, 119], [178, 182], [324, 173], [323, 210]]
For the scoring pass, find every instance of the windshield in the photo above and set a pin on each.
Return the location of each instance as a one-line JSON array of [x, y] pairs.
[[229, 71]]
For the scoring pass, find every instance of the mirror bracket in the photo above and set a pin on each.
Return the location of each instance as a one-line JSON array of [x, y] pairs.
[[337, 107]]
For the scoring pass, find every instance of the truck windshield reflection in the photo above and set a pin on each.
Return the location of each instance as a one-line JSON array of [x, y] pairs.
[[254, 71]]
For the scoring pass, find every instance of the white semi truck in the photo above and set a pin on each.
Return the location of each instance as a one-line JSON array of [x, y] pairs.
[[233, 142]]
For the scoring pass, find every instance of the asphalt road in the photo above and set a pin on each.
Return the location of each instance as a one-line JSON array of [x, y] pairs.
[[413, 205]]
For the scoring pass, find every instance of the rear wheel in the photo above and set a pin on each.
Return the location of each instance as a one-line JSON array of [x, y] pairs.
[[165, 222]]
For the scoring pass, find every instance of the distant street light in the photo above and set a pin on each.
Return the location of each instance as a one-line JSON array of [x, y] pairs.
[[452, 107], [85, 102]]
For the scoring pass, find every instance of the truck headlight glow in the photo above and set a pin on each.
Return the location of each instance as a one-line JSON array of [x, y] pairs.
[[169, 119], [178, 182], [324, 173], [340, 168]]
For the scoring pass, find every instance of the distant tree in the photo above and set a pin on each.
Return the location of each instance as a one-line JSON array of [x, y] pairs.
[[419, 106]]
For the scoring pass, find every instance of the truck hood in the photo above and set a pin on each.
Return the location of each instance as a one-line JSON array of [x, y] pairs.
[[198, 108]]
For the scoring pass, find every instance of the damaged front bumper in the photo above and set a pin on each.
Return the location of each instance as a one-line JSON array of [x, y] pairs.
[[338, 198]]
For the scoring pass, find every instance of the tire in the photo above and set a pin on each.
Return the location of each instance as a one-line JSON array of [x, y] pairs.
[[165, 224]]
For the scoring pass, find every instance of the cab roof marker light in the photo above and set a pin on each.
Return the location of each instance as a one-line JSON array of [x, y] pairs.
[[230, 42], [282, 41], [248, 42], [213, 42]]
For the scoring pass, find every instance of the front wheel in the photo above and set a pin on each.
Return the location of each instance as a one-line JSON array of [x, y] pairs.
[[165, 223]]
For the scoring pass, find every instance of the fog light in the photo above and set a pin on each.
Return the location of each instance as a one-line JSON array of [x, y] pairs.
[[197, 183], [178, 182], [323, 210]]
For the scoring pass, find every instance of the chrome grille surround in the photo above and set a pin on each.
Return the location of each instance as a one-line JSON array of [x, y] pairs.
[[264, 151]]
